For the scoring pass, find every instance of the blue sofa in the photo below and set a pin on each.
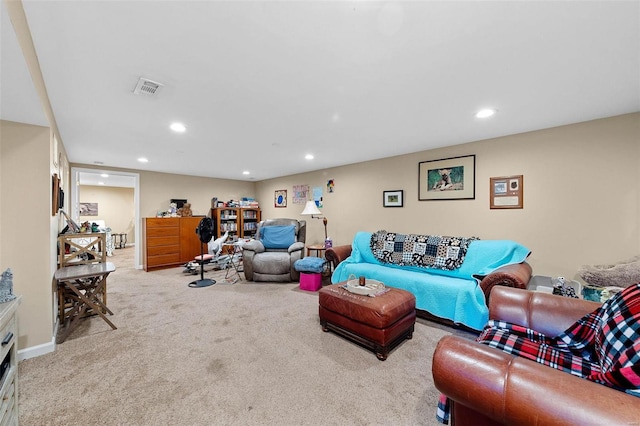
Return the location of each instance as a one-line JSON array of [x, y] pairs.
[[456, 296]]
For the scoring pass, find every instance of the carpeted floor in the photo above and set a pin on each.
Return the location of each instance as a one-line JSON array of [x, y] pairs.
[[238, 353]]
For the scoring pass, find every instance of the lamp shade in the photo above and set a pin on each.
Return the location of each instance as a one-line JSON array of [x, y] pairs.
[[311, 209]]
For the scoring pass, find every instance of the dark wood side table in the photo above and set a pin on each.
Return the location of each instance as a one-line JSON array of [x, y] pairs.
[[317, 248]]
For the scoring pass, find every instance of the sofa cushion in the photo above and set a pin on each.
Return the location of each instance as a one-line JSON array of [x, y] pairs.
[[272, 263], [277, 237], [446, 297]]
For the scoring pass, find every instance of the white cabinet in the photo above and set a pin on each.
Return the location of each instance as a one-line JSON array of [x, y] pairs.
[[9, 362]]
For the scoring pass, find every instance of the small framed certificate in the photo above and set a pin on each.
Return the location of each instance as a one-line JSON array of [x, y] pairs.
[[506, 192]]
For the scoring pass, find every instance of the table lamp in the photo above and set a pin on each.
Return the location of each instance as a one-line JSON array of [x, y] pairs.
[[312, 210]]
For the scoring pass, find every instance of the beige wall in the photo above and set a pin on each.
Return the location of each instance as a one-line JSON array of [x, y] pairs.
[[115, 208], [581, 203], [27, 228], [157, 189], [581, 195]]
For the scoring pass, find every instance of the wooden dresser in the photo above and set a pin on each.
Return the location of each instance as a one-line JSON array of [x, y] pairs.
[[9, 362], [170, 241]]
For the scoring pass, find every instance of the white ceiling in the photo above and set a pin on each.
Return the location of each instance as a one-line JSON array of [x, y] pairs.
[[108, 178], [259, 84]]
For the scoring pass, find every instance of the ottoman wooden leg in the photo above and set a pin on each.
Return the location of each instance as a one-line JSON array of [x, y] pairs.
[[410, 334], [382, 355]]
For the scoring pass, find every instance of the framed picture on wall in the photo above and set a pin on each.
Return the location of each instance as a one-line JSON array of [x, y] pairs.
[[447, 179], [280, 198], [506, 192], [393, 198], [88, 209], [55, 193]]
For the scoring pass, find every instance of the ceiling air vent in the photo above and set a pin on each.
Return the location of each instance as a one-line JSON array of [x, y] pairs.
[[147, 87]]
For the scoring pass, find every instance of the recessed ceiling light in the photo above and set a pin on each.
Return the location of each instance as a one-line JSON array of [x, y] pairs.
[[485, 113], [309, 157], [246, 172], [100, 183], [104, 175], [143, 160], [178, 127]]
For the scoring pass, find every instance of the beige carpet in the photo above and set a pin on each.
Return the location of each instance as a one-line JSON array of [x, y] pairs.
[[230, 354]]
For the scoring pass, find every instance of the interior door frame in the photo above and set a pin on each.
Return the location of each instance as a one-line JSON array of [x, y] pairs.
[[75, 203]]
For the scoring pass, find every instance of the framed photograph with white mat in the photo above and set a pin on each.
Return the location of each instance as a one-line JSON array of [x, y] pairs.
[[393, 198], [447, 179]]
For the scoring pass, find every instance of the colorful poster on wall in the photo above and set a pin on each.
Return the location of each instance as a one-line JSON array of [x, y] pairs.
[[300, 194], [317, 196], [331, 183]]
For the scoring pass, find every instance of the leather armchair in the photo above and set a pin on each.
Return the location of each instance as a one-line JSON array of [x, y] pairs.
[[486, 386], [274, 265]]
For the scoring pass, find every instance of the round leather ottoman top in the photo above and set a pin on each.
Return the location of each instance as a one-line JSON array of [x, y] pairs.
[[379, 312]]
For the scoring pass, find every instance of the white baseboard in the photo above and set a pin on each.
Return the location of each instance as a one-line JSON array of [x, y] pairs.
[[37, 350], [45, 348]]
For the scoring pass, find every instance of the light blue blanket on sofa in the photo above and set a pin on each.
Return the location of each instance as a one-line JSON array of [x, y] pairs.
[[453, 295]]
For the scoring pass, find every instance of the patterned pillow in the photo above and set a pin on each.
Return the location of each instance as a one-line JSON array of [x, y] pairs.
[[426, 251]]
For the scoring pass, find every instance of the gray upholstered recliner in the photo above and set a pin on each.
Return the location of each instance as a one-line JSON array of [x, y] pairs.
[[278, 244]]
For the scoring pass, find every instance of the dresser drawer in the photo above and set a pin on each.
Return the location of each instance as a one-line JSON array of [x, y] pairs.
[[163, 250], [173, 231], [163, 241], [10, 327], [8, 402], [162, 222], [163, 259]]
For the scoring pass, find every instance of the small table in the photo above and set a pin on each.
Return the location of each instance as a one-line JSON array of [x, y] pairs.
[[119, 240], [85, 286], [234, 251], [319, 249]]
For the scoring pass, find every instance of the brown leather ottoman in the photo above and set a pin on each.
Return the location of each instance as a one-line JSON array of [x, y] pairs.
[[378, 323]]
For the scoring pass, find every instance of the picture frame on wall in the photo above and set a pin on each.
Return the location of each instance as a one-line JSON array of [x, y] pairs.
[[55, 193], [393, 198], [447, 179], [88, 209], [280, 198], [507, 192]]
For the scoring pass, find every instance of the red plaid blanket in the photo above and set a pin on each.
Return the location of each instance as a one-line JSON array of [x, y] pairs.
[[603, 346]]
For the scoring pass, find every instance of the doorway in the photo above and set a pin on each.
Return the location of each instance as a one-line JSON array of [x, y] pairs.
[[98, 177]]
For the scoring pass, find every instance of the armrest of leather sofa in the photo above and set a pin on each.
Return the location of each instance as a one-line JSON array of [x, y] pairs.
[[337, 254], [516, 391], [516, 275], [547, 313]]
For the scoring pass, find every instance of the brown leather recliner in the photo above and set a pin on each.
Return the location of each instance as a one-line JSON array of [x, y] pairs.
[[486, 386]]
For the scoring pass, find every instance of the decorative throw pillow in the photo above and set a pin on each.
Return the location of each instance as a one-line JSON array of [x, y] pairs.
[[622, 274], [277, 236], [425, 251]]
